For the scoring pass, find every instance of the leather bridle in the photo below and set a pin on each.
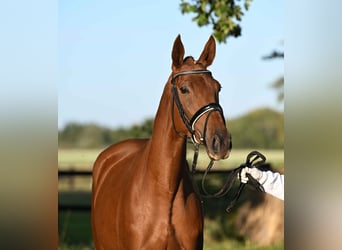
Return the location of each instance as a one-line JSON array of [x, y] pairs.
[[190, 123], [254, 158]]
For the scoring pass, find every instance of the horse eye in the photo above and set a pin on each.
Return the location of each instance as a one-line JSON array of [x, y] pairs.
[[184, 90]]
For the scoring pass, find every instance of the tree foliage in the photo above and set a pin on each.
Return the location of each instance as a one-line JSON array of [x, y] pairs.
[[262, 128], [278, 84], [76, 135], [223, 15]]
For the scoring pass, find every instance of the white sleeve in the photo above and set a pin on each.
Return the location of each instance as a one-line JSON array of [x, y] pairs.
[[273, 183]]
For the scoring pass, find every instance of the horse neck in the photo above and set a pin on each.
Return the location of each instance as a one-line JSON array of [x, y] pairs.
[[168, 149]]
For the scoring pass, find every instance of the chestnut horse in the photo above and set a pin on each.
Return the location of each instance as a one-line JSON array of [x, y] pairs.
[[142, 193]]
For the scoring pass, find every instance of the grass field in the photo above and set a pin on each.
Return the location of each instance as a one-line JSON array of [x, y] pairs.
[[84, 158], [219, 233]]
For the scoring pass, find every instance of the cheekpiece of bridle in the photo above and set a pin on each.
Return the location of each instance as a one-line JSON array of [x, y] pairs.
[[190, 122]]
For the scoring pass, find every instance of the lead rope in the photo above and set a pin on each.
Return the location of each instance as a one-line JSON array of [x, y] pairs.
[[250, 162]]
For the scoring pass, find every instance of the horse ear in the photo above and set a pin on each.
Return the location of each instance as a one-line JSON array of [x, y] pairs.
[[177, 53], [208, 53]]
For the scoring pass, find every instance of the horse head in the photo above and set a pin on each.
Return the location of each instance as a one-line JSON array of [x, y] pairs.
[[196, 97]]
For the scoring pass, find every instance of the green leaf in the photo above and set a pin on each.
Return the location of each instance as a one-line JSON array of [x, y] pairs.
[[223, 15]]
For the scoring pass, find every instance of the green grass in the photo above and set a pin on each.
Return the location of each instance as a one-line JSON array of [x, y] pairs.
[[79, 158], [84, 158], [74, 226]]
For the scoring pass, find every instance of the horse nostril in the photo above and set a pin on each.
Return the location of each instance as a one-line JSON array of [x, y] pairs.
[[216, 143], [230, 142]]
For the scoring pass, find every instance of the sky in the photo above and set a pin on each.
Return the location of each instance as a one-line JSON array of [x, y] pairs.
[[114, 58]]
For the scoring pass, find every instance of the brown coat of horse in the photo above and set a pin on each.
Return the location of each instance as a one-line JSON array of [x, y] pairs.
[[142, 193]]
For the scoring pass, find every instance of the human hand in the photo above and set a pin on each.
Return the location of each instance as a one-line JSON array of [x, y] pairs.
[[254, 172]]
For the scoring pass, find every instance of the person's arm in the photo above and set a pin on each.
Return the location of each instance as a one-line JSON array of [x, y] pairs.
[[272, 182]]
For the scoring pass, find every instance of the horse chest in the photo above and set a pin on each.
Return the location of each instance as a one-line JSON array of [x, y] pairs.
[[166, 219]]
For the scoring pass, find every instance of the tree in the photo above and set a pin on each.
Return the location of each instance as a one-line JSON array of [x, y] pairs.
[[260, 128], [223, 15], [278, 84]]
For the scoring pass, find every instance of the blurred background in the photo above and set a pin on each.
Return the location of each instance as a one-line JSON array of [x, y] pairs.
[[114, 59]]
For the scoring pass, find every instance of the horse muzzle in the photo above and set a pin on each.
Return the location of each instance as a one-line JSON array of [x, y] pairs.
[[215, 137], [219, 145]]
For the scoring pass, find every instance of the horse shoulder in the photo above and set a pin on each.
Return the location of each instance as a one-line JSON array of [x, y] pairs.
[[109, 159], [112, 173]]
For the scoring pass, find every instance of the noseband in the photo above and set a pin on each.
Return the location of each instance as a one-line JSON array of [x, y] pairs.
[[190, 123]]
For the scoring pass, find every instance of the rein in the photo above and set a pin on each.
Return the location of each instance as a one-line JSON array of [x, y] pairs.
[[254, 159]]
